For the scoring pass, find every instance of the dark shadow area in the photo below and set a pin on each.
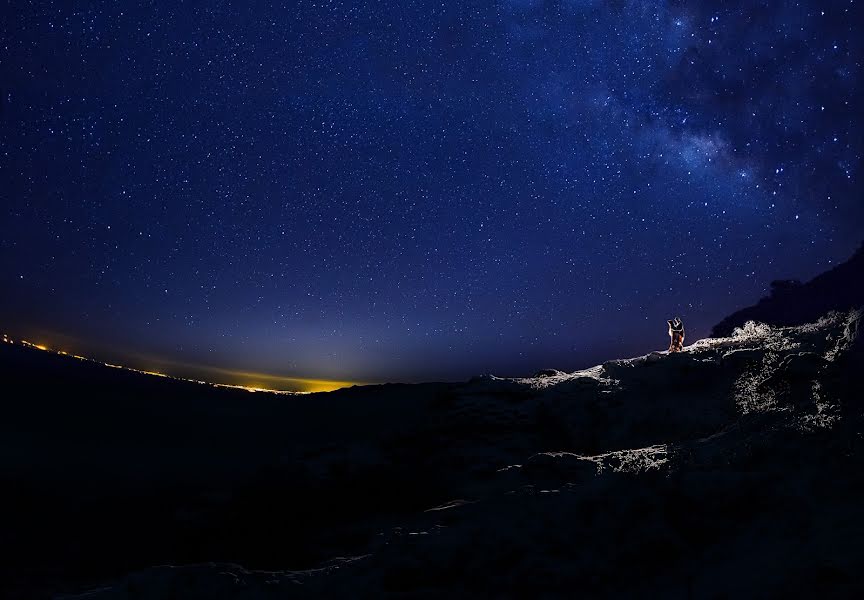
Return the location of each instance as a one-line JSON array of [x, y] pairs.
[[730, 469]]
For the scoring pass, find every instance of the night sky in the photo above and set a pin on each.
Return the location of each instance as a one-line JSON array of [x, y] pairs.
[[416, 190]]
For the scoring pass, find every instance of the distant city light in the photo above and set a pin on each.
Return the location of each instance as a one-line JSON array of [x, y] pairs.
[[311, 385]]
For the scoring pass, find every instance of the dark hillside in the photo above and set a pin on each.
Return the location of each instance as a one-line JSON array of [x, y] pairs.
[[794, 303]]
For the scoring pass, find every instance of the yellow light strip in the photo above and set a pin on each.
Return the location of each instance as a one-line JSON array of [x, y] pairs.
[[310, 385]]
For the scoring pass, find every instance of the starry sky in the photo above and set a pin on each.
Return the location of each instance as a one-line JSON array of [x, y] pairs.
[[411, 190]]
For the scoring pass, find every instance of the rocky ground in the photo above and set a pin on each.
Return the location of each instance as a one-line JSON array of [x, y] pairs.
[[732, 469]]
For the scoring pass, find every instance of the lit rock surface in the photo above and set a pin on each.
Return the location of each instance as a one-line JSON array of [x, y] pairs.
[[731, 469]]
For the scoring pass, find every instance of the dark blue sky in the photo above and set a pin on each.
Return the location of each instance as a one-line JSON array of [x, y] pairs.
[[417, 190]]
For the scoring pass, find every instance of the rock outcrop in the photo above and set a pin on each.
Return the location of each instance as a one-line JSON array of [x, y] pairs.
[[731, 469], [791, 302]]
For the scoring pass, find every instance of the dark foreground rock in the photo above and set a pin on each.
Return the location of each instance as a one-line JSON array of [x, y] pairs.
[[733, 469]]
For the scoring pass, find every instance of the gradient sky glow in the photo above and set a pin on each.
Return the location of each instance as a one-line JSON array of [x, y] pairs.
[[417, 190]]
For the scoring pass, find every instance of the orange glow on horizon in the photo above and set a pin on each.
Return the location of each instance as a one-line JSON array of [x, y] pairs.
[[249, 381]]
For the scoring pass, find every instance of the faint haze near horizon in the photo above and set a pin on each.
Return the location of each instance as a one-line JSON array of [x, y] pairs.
[[400, 191]]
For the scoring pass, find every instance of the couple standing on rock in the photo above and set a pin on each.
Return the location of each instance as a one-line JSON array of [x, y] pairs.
[[676, 334]]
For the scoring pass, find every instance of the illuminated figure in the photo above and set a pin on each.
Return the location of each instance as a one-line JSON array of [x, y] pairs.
[[676, 334]]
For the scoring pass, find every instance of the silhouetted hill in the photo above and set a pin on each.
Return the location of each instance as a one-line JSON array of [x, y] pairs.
[[794, 303]]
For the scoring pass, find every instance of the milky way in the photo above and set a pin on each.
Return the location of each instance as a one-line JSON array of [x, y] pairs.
[[413, 190]]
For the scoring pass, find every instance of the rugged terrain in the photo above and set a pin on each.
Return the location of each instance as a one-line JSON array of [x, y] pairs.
[[733, 468], [791, 302]]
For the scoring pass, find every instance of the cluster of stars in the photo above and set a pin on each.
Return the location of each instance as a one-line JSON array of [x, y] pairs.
[[409, 191]]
